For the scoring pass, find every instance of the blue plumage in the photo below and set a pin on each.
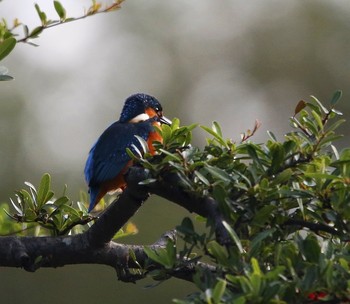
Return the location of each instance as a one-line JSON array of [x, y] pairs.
[[108, 156]]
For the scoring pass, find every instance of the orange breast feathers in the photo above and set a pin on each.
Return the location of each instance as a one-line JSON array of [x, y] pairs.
[[153, 136]]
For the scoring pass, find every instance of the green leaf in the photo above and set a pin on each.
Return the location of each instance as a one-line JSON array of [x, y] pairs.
[[186, 226], [61, 201], [6, 77], [218, 173], [219, 290], [217, 136], [314, 107], [34, 33], [318, 119], [19, 210], [166, 133], [132, 155], [165, 257], [143, 143], [202, 178], [234, 236], [32, 188], [256, 267], [263, 214], [345, 264], [277, 155], [289, 146], [256, 242], [153, 254], [216, 128], [320, 105], [171, 156], [27, 199], [137, 151], [70, 210], [330, 139], [171, 253], [25, 30], [218, 252], [252, 151], [271, 135], [335, 125], [320, 175], [282, 177], [60, 10], [295, 193], [6, 47], [44, 189], [133, 257], [175, 124], [310, 248], [311, 276], [148, 181], [336, 97], [337, 112], [127, 230], [41, 15]]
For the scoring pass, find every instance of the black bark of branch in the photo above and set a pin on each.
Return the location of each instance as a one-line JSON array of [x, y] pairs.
[[315, 227]]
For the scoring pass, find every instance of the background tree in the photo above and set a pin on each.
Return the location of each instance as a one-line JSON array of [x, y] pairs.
[[198, 93]]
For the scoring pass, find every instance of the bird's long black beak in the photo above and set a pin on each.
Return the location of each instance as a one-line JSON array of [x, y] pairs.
[[164, 120]]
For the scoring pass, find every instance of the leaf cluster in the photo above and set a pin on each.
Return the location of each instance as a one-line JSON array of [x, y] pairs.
[[38, 208], [286, 209]]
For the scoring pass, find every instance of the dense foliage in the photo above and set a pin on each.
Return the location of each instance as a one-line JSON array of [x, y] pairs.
[[285, 206]]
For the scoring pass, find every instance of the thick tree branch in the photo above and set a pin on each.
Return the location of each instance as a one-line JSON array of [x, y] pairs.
[[32, 253], [168, 188], [95, 246]]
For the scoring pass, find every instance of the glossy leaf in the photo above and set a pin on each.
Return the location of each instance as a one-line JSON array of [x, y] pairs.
[[165, 257], [60, 10], [6, 77], [336, 97], [320, 105], [218, 252], [41, 14], [234, 236], [214, 133], [219, 291], [44, 188], [218, 173], [272, 135], [6, 47], [36, 31]]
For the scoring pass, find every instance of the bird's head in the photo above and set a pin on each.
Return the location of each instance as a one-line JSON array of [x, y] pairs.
[[140, 107]]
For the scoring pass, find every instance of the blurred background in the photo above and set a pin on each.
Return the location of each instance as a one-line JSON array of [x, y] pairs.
[[230, 61]]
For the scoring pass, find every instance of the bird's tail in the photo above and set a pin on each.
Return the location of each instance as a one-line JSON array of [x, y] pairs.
[[94, 194]]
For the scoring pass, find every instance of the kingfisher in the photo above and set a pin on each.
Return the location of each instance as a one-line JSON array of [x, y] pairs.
[[108, 160]]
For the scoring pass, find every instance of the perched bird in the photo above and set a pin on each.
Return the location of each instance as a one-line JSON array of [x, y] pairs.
[[108, 161]]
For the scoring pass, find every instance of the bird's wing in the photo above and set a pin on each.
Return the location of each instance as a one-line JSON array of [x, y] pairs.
[[108, 156]]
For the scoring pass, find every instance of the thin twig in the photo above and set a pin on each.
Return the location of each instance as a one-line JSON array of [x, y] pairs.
[[116, 5]]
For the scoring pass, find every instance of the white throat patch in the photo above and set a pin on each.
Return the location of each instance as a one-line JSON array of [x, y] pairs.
[[140, 117]]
